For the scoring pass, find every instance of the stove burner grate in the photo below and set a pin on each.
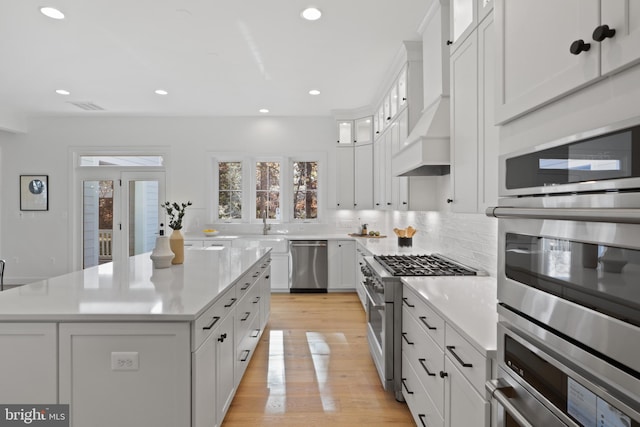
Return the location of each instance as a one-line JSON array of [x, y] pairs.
[[421, 265]]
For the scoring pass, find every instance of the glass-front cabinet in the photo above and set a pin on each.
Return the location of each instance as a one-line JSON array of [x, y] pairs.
[[345, 132], [402, 89]]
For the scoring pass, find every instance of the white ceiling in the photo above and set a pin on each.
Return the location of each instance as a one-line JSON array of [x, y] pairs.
[[214, 57]]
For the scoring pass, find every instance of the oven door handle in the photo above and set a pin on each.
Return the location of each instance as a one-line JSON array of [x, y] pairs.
[[503, 392], [615, 215], [374, 304]]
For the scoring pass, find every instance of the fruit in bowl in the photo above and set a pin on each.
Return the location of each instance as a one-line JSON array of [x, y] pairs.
[[210, 232]]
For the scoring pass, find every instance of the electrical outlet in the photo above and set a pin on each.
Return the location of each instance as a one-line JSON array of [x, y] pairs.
[[124, 360]]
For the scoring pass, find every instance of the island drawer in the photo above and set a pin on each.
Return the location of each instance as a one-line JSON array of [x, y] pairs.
[[428, 319], [206, 323]]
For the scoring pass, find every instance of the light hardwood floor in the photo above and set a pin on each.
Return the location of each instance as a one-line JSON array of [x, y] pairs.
[[313, 368]]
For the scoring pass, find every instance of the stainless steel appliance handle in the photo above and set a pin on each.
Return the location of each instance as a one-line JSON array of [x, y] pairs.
[[370, 297], [502, 392], [306, 245], [615, 215]]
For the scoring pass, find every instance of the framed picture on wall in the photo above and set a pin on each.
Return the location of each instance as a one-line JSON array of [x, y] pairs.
[[34, 192]]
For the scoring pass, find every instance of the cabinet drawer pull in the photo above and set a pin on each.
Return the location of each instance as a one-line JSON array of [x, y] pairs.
[[404, 337], [213, 322], [451, 348], [245, 286], [246, 316], [257, 300], [255, 333], [405, 386], [256, 275], [267, 276], [424, 366], [245, 355], [423, 319], [406, 301], [231, 302], [422, 417]]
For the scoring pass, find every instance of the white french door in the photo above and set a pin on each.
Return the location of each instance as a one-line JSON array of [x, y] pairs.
[[120, 213]]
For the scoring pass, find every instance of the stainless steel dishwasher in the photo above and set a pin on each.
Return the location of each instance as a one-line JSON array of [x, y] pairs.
[[309, 266]]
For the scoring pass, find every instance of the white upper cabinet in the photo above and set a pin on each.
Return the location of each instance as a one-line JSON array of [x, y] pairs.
[[363, 130], [619, 48], [345, 132], [547, 49], [402, 88], [465, 17], [344, 177]]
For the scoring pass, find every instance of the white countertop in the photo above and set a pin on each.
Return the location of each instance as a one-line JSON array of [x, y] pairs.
[[467, 303], [132, 291]]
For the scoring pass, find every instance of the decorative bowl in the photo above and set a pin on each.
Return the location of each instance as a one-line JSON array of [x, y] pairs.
[[210, 232]]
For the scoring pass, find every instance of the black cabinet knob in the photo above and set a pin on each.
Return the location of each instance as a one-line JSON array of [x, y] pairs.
[[579, 46], [404, 203], [449, 200], [449, 42], [377, 204], [443, 374], [603, 32]]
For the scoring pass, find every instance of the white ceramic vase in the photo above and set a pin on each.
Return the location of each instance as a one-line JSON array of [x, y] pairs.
[[162, 254]]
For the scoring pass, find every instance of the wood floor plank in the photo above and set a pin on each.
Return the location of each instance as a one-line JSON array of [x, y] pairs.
[[313, 368]]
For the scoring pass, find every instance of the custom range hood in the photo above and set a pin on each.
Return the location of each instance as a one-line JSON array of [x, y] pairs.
[[426, 150]]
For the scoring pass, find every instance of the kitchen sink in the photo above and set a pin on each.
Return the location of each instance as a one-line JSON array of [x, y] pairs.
[[278, 244]]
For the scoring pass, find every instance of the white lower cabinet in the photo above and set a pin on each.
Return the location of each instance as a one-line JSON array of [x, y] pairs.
[[212, 375], [28, 355], [443, 375], [341, 256], [465, 407], [143, 372]]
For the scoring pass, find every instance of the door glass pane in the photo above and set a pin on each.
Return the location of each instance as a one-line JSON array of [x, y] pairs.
[[144, 207], [97, 227], [267, 190]]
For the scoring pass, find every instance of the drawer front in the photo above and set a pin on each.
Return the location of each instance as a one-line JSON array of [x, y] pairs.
[[472, 364], [427, 359], [248, 308], [422, 408], [430, 322], [246, 346], [210, 319]]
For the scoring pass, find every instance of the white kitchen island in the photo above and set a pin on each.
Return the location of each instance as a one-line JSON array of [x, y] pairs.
[[129, 345]]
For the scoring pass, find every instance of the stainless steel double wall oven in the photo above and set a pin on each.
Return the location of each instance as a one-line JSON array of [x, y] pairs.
[[569, 282]]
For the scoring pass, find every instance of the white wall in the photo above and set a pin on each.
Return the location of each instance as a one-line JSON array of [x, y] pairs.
[[38, 244]]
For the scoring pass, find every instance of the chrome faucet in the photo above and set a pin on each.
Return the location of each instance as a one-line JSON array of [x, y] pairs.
[[265, 227]]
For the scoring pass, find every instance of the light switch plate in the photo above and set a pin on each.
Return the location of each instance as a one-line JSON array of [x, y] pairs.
[[124, 360]]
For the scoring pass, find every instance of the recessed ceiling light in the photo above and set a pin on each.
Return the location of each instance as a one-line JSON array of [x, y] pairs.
[[264, 110], [314, 92], [311, 14], [52, 12], [62, 92], [162, 92]]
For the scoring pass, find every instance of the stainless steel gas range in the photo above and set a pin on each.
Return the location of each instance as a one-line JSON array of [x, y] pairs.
[[383, 286]]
